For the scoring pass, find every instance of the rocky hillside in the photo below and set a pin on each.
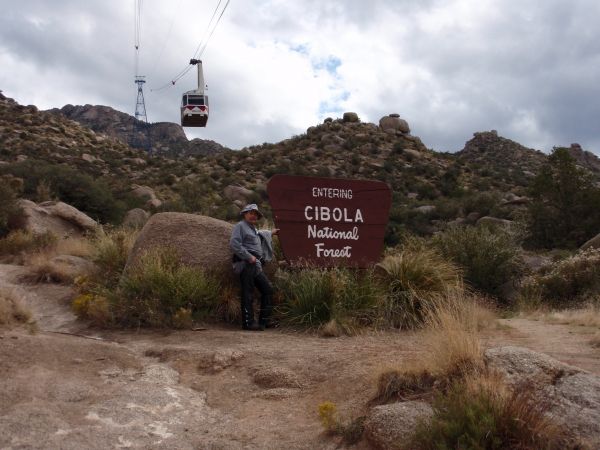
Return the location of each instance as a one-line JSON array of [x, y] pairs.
[[166, 138], [585, 159], [500, 160], [29, 134], [488, 177]]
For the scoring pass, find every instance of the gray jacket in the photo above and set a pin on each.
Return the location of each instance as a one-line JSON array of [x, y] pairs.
[[247, 241]]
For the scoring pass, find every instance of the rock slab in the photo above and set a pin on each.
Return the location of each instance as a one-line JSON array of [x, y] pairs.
[[52, 217], [574, 393]]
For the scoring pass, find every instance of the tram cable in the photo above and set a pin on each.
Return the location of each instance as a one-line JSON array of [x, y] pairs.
[[201, 46]]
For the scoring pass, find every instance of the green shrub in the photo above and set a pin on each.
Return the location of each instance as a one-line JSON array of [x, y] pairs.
[[483, 203], [313, 297], [489, 256], [158, 290], [483, 414], [569, 281], [414, 277]]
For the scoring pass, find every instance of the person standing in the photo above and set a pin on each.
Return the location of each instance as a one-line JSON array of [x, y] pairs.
[[252, 248]]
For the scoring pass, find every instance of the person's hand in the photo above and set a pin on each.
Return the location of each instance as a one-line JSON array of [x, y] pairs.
[[252, 259], [275, 231]]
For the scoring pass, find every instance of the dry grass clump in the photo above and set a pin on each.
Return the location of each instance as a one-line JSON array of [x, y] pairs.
[[19, 242], [12, 310], [414, 278], [44, 268], [452, 350], [588, 316], [473, 407], [481, 412]]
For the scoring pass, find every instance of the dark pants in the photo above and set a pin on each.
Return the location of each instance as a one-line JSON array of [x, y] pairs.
[[249, 280]]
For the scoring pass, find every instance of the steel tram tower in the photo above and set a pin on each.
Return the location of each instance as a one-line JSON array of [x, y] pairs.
[[141, 131]]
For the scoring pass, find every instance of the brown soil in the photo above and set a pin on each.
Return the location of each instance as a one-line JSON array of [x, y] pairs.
[[219, 388]]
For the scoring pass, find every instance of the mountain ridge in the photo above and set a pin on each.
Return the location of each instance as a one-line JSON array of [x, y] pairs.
[[166, 138]]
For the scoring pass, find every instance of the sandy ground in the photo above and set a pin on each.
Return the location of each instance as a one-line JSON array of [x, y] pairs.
[[219, 388]]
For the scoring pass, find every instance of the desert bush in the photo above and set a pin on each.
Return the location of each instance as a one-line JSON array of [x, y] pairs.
[[484, 203], [110, 252], [568, 281], [313, 297], [94, 308], [350, 430], [489, 256], [156, 290], [480, 412], [413, 278], [20, 241]]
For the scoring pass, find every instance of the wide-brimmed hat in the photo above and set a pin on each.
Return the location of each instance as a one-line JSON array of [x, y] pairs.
[[250, 207]]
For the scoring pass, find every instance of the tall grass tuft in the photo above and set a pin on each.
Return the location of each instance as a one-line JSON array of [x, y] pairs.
[[413, 278], [339, 300], [489, 256], [452, 351]]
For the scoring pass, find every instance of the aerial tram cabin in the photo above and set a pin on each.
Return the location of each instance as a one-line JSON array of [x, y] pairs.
[[194, 104]]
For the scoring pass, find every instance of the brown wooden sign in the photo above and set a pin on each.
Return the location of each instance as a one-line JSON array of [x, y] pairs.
[[329, 221]]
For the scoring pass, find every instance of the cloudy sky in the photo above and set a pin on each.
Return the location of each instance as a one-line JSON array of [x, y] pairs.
[[527, 68]]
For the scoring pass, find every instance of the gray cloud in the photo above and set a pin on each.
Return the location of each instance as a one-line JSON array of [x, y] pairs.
[[528, 69]]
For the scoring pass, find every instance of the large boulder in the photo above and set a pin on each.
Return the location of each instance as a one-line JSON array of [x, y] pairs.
[[52, 217], [136, 218], [146, 193], [350, 117], [425, 209], [200, 241], [395, 123], [592, 243], [493, 221], [574, 394], [234, 192], [388, 425], [515, 200]]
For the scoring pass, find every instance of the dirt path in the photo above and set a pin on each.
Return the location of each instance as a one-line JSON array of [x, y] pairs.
[[219, 388], [567, 343]]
